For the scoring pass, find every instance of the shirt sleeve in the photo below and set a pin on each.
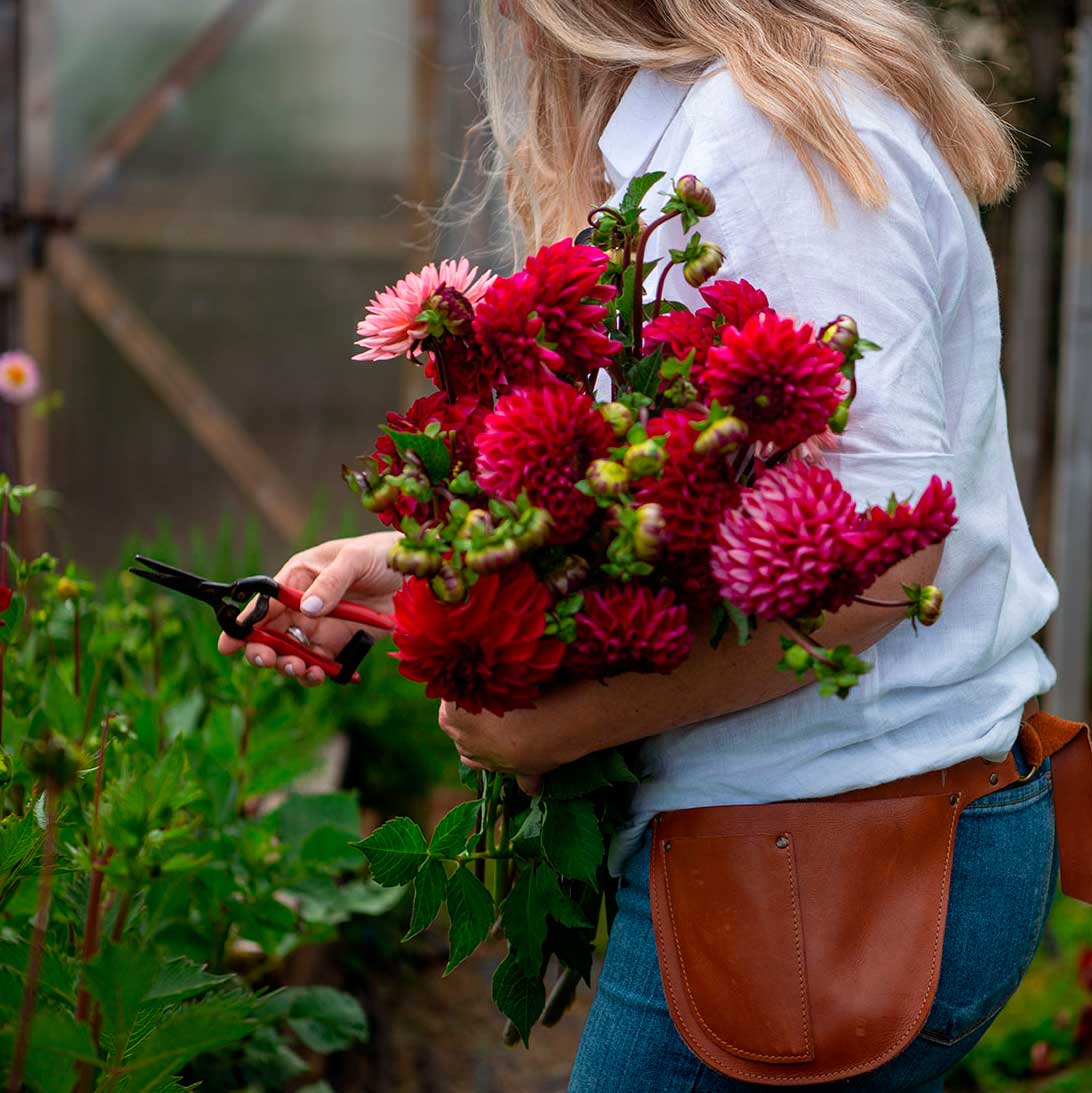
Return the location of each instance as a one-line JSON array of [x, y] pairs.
[[880, 266]]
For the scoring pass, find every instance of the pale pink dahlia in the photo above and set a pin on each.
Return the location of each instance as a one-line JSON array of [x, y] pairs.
[[776, 377], [787, 551], [692, 492], [20, 380], [548, 317], [541, 440], [628, 628], [886, 538], [390, 327]]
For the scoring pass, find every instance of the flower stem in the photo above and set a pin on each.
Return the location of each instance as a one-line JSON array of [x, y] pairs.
[[882, 603], [4, 540], [639, 279], [660, 289], [37, 943], [76, 646], [802, 639]]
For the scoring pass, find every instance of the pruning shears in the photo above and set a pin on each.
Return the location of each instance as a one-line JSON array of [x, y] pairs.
[[229, 600]]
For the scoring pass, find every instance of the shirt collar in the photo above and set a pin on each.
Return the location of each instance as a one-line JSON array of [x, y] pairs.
[[639, 121]]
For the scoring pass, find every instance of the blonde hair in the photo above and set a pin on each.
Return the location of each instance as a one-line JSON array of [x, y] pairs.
[[555, 71]]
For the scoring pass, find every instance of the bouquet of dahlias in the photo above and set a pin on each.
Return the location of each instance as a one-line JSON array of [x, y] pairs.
[[599, 471]]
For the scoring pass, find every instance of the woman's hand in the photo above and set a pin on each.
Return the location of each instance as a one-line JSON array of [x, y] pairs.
[[487, 742], [354, 569]]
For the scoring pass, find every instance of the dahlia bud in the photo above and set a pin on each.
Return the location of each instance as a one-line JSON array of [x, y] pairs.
[[413, 482], [618, 416], [568, 577], [492, 559], [644, 458], [7, 768], [448, 585], [797, 658], [535, 530], [810, 623], [841, 334], [379, 499], [724, 435], [680, 392], [607, 478], [369, 468], [448, 311], [839, 419], [701, 269], [414, 561], [477, 521], [67, 589], [695, 195], [53, 759], [649, 535], [930, 601]]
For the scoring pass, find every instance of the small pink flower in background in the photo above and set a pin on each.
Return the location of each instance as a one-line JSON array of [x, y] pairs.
[[20, 379], [390, 327]]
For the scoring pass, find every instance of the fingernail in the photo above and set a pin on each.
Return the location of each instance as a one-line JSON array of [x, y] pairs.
[[289, 669], [312, 605], [315, 675]]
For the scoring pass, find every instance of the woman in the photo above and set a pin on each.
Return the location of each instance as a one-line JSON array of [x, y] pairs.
[[847, 159]]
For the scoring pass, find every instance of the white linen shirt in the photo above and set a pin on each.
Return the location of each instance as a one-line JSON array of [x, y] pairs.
[[919, 278]]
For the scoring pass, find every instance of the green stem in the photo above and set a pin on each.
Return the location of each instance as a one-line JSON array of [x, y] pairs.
[[76, 646], [882, 603]]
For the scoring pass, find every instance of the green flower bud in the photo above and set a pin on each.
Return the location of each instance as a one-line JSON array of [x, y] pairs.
[[448, 585], [477, 521], [7, 768], [618, 416], [839, 419], [929, 605], [644, 458], [534, 530], [797, 658], [67, 589], [492, 559], [811, 623], [413, 560], [701, 269], [381, 498], [695, 195], [607, 478], [650, 534], [724, 435], [841, 334], [54, 760], [680, 392]]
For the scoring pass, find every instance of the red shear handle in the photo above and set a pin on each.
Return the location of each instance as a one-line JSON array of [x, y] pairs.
[[352, 612], [286, 646]]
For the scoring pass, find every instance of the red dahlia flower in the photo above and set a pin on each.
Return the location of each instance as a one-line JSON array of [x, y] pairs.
[[628, 628], [541, 440], [734, 301], [463, 419], [548, 318], [885, 538], [682, 333], [788, 551], [487, 652], [692, 493], [777, 378]]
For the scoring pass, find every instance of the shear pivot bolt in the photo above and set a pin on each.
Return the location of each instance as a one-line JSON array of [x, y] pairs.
[[954, 799], [782, 842], [994, 778]]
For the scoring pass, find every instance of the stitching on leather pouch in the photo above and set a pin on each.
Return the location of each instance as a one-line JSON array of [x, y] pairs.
[[799, 966], [904, 1038]]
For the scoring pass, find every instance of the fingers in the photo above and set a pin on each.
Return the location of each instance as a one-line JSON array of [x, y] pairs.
[[531, 784], [347, 567]]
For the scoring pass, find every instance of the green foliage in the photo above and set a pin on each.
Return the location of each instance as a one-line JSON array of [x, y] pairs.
[[204, 888]]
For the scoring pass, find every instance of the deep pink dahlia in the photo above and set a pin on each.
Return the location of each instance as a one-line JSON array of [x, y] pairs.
[[692, 492], [488, 652], [628, 628], [680, 333], [462, 420], [390, 327], [777, 378], [541, 440], [787, 550], [548, 317], [886, 538], [734, 301]]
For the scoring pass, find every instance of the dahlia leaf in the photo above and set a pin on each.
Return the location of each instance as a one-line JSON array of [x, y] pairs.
[[428, 895], [528, 837], [615, 767], [726, 612], [519, 996], [576, 779], [557, 903], [575, 948], [523, 915], [644, 376], [453, 831], [470, 908], [637, 190], [394, 851], [571, 839], [432, 451]]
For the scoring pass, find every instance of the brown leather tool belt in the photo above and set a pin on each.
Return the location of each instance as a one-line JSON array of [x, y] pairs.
[[800, 942]]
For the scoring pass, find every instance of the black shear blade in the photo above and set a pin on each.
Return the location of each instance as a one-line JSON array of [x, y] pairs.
[[178, 580]]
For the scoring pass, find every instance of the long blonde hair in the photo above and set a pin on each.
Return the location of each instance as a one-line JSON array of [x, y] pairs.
[[554, 72]]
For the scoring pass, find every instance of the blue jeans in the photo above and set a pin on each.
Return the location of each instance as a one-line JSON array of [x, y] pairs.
[[1003, 875]]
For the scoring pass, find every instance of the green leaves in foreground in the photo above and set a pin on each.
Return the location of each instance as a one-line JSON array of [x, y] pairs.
[[519, 996], [395, 852]]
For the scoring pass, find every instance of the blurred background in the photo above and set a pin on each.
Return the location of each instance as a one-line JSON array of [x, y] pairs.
[[198, 201]]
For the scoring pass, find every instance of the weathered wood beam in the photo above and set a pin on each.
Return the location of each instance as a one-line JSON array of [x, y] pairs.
[[178, 78], [175, 380], [1071, 520]]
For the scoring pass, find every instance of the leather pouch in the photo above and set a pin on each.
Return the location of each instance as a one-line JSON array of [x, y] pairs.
[[801, 942]]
